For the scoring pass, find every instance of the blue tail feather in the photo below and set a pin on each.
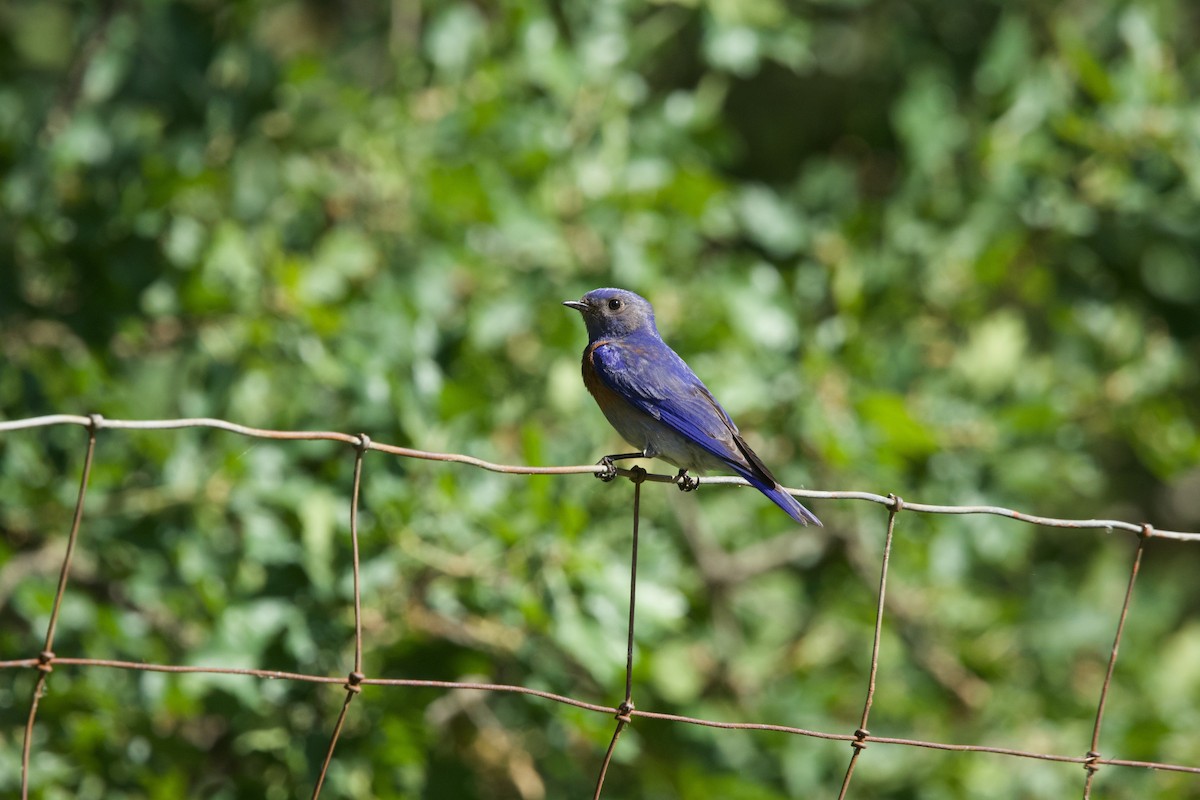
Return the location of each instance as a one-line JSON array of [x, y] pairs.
[[781, 498]]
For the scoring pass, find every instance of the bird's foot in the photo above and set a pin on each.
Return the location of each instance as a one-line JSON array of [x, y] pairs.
[[685, 482], [610, 469]]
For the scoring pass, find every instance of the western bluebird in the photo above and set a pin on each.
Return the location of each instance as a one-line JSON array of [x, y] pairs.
[[657, 403]]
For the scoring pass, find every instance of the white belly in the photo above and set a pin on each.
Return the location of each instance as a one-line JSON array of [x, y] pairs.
[[658, 441]]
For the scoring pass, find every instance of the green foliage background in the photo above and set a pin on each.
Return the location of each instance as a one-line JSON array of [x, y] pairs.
[[948, 250]]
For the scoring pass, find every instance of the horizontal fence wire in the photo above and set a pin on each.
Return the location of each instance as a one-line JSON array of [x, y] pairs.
[[625, 713]]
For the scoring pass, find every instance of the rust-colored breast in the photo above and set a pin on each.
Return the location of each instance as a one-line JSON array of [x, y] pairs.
[[605, 397]]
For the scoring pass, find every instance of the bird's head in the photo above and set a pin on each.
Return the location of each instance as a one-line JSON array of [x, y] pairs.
[[611, 313]]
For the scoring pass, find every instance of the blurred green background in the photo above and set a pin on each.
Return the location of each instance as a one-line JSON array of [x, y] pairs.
[[947, 250]]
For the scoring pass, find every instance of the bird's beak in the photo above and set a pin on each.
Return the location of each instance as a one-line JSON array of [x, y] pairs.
[[578, 305]]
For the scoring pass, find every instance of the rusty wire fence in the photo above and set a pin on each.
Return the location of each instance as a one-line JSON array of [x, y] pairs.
[[625, 713]]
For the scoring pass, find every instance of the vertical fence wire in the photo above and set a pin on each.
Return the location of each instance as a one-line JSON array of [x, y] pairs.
[[1093, 755], [637, 477], [45, 661], [354, 680], [862, 734]]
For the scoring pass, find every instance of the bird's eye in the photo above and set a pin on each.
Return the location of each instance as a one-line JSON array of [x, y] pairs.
[[614, 304]]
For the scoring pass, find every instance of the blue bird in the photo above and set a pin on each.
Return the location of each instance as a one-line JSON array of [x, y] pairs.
[[657, 403]]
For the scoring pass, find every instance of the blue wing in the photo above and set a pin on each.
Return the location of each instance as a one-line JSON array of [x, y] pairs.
[[651, 377], [655, 380]]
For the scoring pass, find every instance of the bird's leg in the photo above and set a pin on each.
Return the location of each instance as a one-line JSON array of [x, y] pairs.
[[607, 462], [685, 482]]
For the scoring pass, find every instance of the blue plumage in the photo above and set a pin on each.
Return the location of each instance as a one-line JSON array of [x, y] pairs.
[[655, 401]]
